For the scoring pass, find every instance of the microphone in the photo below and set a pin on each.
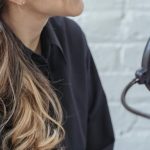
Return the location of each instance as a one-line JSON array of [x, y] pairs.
[[142, 76]]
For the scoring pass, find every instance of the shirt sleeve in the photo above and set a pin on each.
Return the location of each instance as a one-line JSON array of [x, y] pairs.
[[100, 134]]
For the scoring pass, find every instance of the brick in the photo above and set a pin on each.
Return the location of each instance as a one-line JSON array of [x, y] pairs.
[[106, 56]]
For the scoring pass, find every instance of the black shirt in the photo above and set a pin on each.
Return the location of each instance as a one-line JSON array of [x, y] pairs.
[[67, 62]]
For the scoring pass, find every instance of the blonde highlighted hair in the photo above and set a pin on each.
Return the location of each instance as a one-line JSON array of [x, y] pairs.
[[27, 99]]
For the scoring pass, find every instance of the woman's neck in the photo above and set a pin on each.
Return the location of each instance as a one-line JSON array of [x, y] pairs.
[[26, 26]]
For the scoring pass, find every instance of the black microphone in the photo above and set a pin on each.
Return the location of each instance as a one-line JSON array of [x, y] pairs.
[[142, 76]]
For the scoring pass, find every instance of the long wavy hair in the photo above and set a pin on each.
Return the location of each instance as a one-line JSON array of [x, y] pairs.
[[27, 99]]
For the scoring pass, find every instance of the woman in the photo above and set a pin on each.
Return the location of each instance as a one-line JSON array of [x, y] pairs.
[[51, 96]]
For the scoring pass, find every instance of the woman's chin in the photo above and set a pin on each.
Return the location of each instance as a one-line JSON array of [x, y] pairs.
[[75, 11]]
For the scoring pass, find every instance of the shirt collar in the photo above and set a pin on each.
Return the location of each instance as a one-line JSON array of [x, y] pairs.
[[52, 35], [49, 34]]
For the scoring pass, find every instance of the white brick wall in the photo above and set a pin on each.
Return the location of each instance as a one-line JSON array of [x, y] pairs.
[[117, 31]]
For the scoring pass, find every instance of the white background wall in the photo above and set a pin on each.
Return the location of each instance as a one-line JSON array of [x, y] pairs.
[[117, 31]]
